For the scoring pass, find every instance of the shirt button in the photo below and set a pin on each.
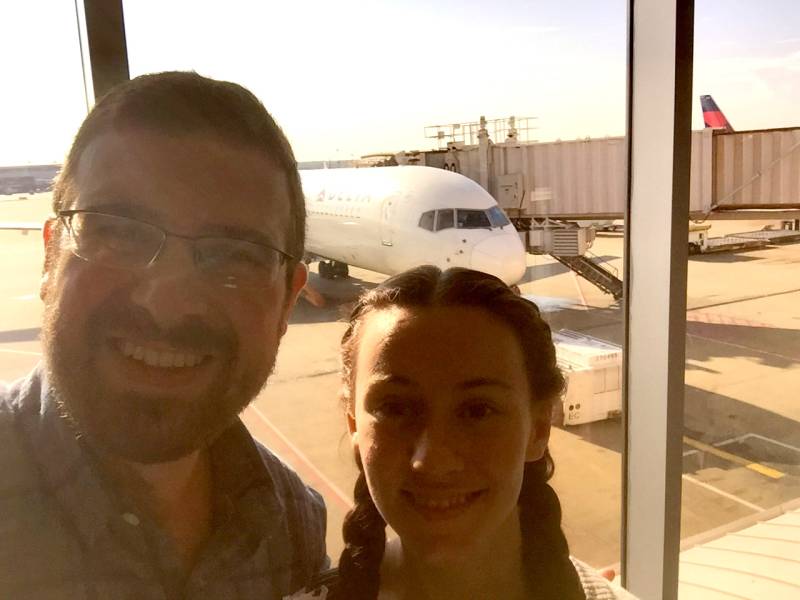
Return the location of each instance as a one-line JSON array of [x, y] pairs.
[[131, 519]]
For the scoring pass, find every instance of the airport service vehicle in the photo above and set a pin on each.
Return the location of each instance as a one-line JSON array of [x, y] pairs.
[[389, 219], [701, 243], [593, 370]]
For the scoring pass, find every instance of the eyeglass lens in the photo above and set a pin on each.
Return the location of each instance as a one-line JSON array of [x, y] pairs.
[[126, 243]]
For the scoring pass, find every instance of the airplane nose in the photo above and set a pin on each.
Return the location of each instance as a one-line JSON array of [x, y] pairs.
[[501, 255]]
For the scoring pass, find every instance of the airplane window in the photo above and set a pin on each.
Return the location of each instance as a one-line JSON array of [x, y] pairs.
[[445, 219], [497, 217], [426, 220], [472, 219]]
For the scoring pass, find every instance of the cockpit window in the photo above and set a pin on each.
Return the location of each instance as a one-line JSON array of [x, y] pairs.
[[444, 219], [497, 217], [472, 219], [464, 218], [426, 220]]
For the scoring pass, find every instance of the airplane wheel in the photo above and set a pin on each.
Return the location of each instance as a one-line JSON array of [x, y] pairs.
[[341, 269], [325, 270]]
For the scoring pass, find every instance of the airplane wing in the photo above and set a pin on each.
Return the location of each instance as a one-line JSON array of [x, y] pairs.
[[21, 225]]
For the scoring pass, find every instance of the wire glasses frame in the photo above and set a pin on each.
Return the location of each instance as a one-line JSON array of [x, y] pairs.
[[128, 243]]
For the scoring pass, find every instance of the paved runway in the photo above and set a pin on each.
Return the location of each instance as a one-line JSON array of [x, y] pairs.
[[742, 446]]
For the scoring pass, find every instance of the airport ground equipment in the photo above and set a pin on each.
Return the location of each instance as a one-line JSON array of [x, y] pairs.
[[701, 243], [590, 269], [772, 236], [569, 244], [593, 370]]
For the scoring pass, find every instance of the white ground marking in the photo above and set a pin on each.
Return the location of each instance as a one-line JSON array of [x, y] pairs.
[[346, 501], [578, 287], [723, 493], [25, 352], [743, 347], [771, 441], [742, 438]]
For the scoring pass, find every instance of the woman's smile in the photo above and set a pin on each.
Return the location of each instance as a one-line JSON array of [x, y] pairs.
[[439, 504]]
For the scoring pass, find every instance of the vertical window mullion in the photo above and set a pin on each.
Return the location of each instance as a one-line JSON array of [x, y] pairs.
[[659, 142]]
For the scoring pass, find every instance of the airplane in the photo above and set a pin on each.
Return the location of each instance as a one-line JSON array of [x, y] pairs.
[[389, 219], [713, 116]]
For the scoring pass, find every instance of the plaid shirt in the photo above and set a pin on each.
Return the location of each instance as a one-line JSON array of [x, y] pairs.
[[65, 534]]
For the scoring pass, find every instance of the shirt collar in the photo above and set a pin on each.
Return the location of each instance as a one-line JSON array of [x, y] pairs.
[[238, 469]]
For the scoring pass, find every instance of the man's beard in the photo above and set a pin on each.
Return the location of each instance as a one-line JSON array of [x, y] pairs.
[[154, 427]]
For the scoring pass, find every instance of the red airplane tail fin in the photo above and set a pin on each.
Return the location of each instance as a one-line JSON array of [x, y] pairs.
[[712, 115]]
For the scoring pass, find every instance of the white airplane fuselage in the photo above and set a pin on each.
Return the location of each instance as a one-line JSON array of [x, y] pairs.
[[389, 219]]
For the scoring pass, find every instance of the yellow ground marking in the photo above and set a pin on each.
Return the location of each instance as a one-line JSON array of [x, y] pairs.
[[753, 466]]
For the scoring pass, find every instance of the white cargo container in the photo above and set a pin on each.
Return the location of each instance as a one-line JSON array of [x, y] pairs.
[[593, 369]]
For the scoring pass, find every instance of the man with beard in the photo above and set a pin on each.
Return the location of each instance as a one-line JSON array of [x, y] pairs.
[[171, 266]]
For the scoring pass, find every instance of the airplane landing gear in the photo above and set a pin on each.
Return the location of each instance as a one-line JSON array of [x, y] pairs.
[[325, 269], [333, 269], [341, 269]]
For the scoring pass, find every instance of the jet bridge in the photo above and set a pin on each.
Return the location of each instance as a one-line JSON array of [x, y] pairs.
[[743, 174], [548, 188]]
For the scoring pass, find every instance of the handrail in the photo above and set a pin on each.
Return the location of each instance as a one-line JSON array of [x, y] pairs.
[[602, 263]]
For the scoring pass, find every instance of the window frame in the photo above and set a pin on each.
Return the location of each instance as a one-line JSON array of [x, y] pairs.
[[439, 213], [473, 210], [432, 227], [659, 79]]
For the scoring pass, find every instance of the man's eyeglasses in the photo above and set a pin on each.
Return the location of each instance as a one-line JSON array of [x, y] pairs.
[[126, 243]]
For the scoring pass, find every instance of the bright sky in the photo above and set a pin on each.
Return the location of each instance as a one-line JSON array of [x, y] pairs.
[[350, 77]]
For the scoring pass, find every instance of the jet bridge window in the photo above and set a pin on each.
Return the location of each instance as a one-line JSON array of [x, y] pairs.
[[497, 217], [444, 219], [426, 220], [472, 219]]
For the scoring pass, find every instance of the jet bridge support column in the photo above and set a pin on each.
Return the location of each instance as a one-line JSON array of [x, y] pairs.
[[484, 156]]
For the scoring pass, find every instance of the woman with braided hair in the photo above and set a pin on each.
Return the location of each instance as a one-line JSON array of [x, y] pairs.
[[449, 380]]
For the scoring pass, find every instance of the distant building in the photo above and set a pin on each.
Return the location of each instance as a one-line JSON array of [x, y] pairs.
[[27, 179], [326, 164]]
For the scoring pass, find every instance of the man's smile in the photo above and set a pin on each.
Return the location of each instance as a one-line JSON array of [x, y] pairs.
[[156, 357], [153, 366]]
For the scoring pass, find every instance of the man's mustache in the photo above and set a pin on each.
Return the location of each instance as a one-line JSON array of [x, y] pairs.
[[193, 332]]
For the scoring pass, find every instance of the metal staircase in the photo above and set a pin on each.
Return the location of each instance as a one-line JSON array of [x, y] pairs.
[[603, 278]]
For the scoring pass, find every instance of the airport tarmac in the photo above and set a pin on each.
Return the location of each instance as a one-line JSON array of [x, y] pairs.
[[742, 440]]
